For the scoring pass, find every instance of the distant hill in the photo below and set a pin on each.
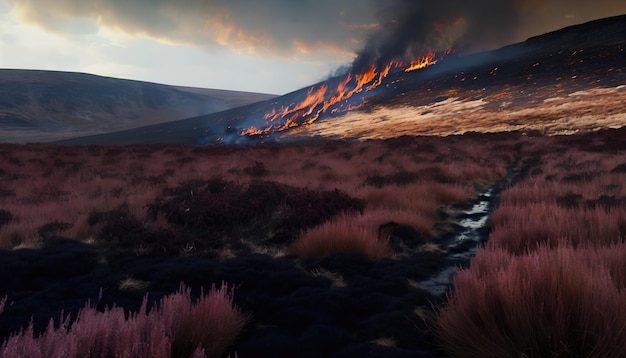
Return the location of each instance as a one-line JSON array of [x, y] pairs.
[[41, 106], [233, 99]]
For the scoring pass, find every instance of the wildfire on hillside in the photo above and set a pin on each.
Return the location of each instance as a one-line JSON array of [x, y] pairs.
[[422, 62], [336, 99]]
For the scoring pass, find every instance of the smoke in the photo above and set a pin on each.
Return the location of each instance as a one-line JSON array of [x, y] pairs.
[[411, 28], [308, 31], [320, 31]]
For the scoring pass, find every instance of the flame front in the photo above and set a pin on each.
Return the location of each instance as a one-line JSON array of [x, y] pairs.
[[422, 62], [320, 100]]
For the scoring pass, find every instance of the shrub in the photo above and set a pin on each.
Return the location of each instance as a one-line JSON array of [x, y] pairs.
[[118, 226], [549, 303], [5, 217], [401, 178], [53, 229], [619, 169], [212, 323], [47, 191], [3, 302], [218, 206], [309, 164], [122, 230], [375, 218], [257, 170], [176, 327], [343, 234]]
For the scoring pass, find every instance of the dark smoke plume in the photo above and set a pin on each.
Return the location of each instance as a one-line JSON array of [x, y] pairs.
[[411, 28]]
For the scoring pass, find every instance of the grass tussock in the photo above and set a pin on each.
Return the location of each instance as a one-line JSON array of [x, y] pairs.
[[548, 303], [175, 327], [551, 281], [343, 234], [520, 229]]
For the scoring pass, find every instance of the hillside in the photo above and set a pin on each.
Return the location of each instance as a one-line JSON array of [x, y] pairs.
[[567, 81], [49, 105]]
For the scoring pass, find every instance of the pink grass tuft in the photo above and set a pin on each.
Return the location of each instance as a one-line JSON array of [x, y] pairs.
[[343, 234], [548, 303], [175, 327]]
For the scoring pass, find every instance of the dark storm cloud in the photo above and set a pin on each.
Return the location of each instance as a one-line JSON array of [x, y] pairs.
[[320, 30]]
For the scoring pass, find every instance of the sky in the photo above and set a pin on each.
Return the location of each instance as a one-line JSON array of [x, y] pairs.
[[268, 46]]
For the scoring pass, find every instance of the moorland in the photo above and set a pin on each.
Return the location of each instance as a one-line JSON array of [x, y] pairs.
[[476, 208], [317, 248]]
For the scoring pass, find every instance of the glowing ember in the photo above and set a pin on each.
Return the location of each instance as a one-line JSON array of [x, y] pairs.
[[320, 100]]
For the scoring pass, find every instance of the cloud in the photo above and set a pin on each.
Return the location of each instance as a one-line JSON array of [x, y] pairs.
[[316, 31], [301, 30]]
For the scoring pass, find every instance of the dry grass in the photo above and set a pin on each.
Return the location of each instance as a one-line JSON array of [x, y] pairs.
[[342, 234], [335, 277], [132, 284], [560, 114], [386, 342]]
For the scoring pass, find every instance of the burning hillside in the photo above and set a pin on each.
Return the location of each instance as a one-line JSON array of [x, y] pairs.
[[562, 82], [339, 95], [520, 87]]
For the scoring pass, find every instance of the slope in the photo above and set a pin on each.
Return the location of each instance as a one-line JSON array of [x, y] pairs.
[[49, 105]]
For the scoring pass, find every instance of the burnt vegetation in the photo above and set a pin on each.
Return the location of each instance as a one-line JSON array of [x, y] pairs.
[[217, 212]]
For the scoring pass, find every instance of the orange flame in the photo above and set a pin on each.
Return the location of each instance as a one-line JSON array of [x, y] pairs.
[[252, 131], [316, 102], [313, 98], [382, 75], [422, 62]]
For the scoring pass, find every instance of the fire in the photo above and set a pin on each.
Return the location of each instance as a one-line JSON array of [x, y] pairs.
[[363, 79], [313, 98], [422, 62], [322, 98], [253, 131], [382, 75]]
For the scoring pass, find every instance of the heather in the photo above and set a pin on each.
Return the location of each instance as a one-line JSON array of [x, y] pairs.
[[332, 246], [306, 232], [558, 302], [70, 192], [175, 327], [550, 281]]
